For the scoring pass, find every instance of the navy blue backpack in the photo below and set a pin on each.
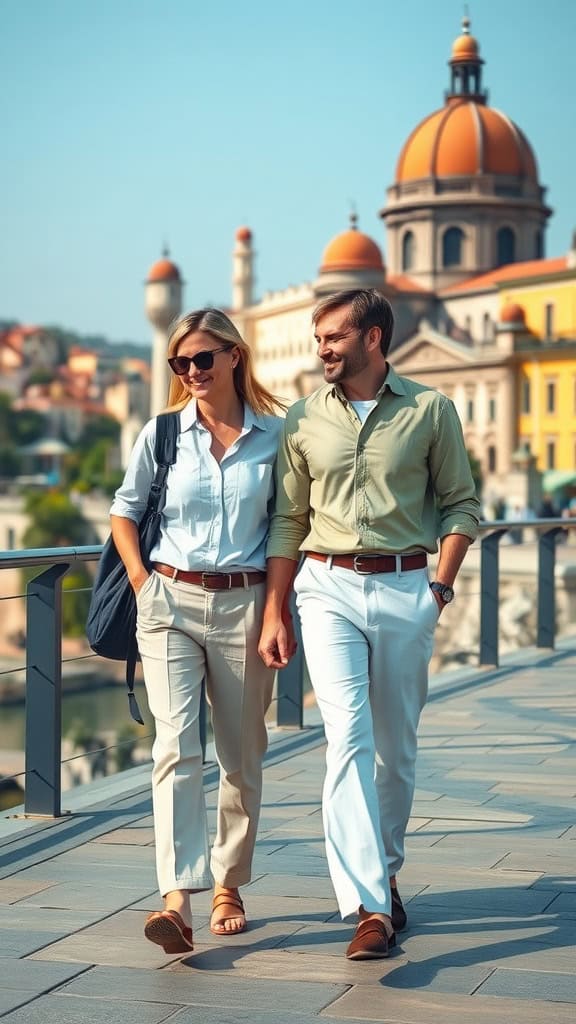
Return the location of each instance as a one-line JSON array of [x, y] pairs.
[[111, 621]]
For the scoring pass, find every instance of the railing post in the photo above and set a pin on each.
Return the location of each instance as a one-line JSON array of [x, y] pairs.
[[44, 692], [489, 550], [289, 684], [546, 588]]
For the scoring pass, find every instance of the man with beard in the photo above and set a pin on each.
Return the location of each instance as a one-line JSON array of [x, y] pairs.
[[372, 471]]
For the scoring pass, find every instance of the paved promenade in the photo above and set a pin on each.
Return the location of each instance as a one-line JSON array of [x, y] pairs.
[[489, 884]]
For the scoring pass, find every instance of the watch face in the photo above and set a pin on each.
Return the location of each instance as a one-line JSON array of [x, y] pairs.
[[446, 592]]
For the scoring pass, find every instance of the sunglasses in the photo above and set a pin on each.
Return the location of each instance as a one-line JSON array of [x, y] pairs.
[[202, 360]]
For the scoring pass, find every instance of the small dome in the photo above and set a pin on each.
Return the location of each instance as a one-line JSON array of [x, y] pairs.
[[352, 250], [512, 313], [243, 234], [465, 47], [163, 270]]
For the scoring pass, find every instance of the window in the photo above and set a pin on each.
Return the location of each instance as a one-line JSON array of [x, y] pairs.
[[470, 410], [487, 327], [492, 410], [505, 247], [525, 400], [468, 325], [548, 320], [452, 247], [539, 245], [551, 455], [551, 397], [491, 459], [408, 250]]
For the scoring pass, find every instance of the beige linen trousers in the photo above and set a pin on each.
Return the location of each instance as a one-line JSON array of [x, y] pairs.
[[187, 634]]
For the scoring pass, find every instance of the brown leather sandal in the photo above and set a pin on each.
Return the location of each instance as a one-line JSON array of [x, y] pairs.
[[231, 900], [167, 929], [371, 941]]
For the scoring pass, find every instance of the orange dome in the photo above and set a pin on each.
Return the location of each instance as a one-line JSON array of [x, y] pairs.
[[243, 234], [352, 250], [465, 48], [512, 313], [466, 138], [163, 270]]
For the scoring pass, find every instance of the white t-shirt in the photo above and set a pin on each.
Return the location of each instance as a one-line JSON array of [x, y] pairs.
[[364, 408]]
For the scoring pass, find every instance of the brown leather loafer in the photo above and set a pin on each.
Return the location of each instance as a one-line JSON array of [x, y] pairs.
[[167, 929], [398, 915], [371, 941]]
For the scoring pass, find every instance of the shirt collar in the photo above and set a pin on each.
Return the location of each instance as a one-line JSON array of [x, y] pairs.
[[189, 417], [392, 381]]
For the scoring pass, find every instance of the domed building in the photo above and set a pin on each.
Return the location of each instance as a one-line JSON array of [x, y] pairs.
[[466, 196], [480, 313]]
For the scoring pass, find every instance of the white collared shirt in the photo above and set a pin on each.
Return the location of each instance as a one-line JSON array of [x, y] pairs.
[[216, 514]]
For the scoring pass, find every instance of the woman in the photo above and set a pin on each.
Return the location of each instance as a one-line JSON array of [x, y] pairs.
[[199, 617]]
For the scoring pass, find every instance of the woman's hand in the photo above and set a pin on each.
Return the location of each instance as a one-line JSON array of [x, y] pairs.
[[138, 581]]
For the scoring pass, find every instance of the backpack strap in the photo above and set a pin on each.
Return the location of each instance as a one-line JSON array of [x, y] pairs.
[[165, 448]]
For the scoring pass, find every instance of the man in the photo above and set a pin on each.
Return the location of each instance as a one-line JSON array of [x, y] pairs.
[[372, 470]]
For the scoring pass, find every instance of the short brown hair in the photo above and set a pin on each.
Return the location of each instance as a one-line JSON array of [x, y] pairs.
[[368, 308]]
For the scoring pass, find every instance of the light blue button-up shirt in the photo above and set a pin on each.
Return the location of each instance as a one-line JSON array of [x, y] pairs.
[[216, 514]]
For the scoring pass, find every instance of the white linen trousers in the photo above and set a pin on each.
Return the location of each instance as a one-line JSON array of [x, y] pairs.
[[368, 642], [186, 634]]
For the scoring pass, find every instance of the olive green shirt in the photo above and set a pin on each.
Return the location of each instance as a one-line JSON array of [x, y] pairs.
[[396, 483]]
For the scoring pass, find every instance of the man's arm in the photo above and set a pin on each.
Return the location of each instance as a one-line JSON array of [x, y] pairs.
[[453, 547], [276, 645]]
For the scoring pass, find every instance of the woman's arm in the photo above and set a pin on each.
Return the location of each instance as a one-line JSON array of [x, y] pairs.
[[126, 539]]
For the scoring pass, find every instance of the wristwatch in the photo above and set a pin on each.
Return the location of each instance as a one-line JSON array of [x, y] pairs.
[[446, 592]]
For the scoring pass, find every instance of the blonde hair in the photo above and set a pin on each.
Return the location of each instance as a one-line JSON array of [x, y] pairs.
[[215, 323]]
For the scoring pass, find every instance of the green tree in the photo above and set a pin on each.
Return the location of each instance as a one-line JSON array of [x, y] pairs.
[[56, 522]]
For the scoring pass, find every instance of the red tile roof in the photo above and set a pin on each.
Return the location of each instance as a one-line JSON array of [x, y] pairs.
[[511, 272]]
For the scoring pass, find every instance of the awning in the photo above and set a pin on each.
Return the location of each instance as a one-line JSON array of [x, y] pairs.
[[553, 479]]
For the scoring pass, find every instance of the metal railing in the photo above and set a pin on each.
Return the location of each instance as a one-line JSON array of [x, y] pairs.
[[44, 644]]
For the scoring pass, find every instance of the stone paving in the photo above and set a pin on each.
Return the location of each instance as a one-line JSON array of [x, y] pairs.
[[489, 886]]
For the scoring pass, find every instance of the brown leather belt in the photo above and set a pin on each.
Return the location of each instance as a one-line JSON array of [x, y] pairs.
[[211, 580], [365, 563]]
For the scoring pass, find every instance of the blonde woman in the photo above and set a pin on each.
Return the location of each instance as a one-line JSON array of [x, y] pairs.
[[199, 616]]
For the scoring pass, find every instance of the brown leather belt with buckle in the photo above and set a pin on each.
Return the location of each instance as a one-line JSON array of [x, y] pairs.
[[365, 564], [211, 580]]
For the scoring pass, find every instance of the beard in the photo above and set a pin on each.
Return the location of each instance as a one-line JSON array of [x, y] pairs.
[[346, 366]]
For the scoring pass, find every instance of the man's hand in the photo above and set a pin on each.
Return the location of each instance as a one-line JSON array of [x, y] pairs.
[[441, 604], [277, 644]]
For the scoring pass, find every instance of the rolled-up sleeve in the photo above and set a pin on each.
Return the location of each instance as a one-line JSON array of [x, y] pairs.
[[131, 498], [457, 502], [290, 520]]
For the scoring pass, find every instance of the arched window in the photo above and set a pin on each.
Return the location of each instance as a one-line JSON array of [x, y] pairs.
[[539, 245], [505, 247], [452, 247], [408, 250]]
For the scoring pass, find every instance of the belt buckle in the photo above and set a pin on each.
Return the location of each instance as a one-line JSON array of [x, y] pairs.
[[356, 567], [206, 576]]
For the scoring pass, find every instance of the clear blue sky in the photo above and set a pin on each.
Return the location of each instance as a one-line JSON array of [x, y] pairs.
[[127, 122]]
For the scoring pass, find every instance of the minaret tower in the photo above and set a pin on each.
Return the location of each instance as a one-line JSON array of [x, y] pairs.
[[163, 303], [243, 270]]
